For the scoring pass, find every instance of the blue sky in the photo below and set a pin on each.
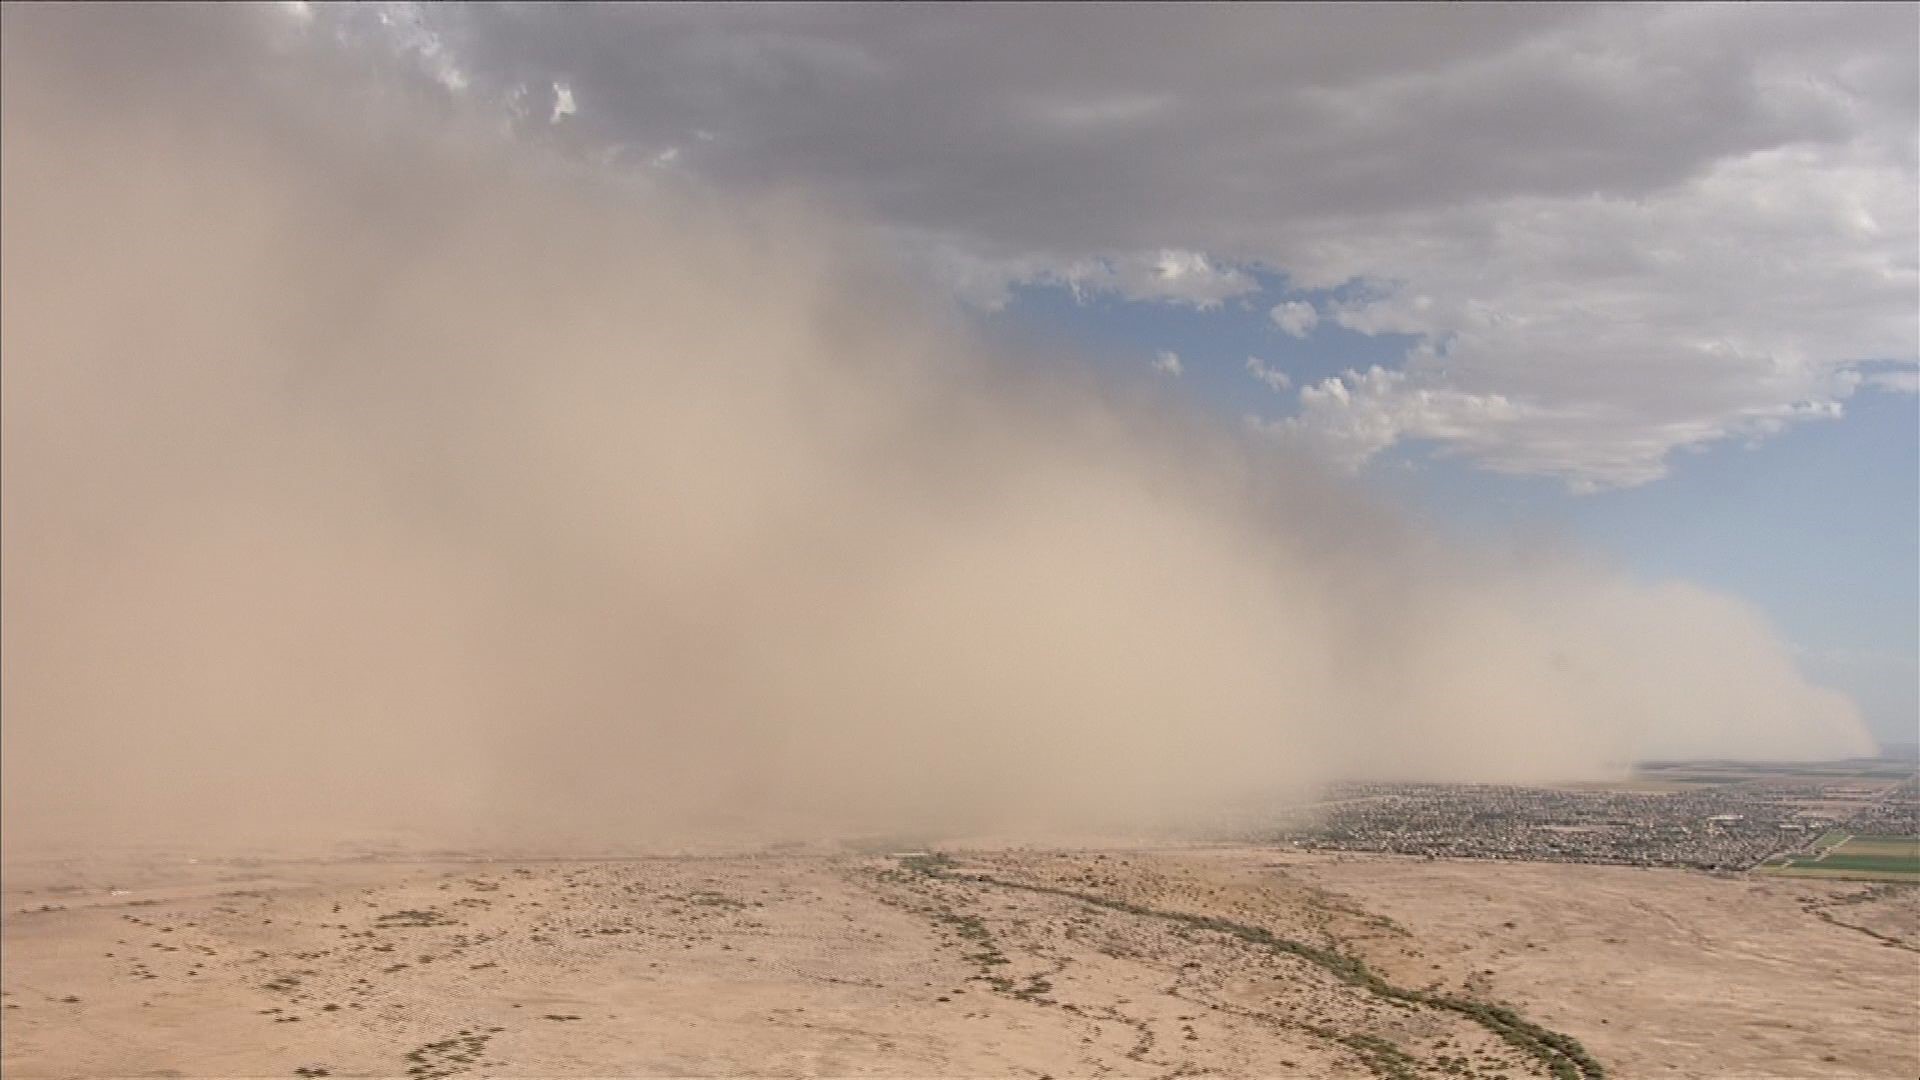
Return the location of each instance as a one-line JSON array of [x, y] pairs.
[[1818, 525]]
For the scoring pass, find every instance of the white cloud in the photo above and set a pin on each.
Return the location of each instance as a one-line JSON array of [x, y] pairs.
[[563, 105], [1167, 362], [1181, 278], [1276, 380], [1296, 317], [1899, 382], [1113, 111], [410, 31], [1351, 418], [1623, 330], [1176, 277]]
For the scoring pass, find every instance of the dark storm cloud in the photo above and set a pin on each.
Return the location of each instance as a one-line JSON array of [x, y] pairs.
[[1553, 200]]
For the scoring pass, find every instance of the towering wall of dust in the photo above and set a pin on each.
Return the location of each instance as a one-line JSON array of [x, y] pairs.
[[357, 472]]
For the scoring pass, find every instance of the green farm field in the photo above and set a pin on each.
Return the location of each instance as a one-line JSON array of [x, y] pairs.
[[1889, 847], [1868, 858]]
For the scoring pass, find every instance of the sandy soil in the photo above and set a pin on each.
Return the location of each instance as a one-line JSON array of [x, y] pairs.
[[1662, 972], [1005, 962]]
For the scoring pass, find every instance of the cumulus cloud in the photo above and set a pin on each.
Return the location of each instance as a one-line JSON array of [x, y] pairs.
[[1175, 277], [1167, 362], [1626, 329], [1899, 382], [1550, 201], [1296, 317], [360, 468], [1274, 379]]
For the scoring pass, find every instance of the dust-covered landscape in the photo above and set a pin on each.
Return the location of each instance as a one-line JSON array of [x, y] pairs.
[[959, 541], [1157, 960]]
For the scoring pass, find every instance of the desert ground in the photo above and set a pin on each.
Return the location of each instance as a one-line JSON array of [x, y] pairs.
[[979, 961]]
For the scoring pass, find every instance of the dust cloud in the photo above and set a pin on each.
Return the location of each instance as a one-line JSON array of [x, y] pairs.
[[363, 468]]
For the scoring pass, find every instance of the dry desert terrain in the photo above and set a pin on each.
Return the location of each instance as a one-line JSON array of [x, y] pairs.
[[1001, 961]]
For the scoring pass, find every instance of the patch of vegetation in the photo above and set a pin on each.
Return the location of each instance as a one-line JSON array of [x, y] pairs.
[[410, 917], [1381, 1057], [1842, 855], [1869, 894], [449, 1056], [1562, 1055], [932, 863], [987, 954]]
